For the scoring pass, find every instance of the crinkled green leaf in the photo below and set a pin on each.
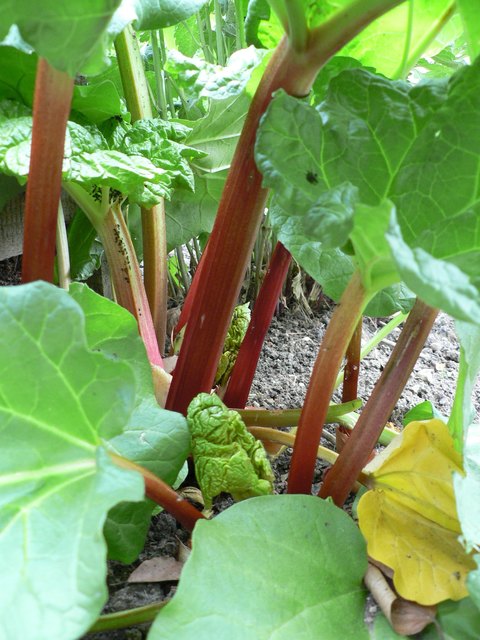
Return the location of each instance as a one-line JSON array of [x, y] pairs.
[[254, 573], [153, 437], [227, 457], [216, 135], [71, 36], [372, 252], [90, 162], [203, 79], [148, 138], [59, 401]]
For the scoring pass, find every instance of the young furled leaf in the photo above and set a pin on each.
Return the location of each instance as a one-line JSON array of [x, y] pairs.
[[227, 457]]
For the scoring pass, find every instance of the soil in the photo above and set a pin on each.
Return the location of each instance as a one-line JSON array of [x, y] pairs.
[[281, 382]]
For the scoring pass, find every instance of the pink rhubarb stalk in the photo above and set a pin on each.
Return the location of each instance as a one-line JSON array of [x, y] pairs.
[[337, 337], [51, 108], [356, 451]]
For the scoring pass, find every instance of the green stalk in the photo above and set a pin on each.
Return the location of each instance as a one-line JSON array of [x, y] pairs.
[[163, 494], [136, 90], [279, 418], [208, 29], [375, 340], [219, 33], [206, 50], [163, 56], [242, 204], [128, 618], [339, 332], [159, 76], [355, 454], [51, 108], [63, 255], [241, 43]]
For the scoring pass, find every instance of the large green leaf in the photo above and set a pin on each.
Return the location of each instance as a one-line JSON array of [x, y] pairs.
[[271, 567], [412, 145], [72, 36], [153, 437], [59, 401]]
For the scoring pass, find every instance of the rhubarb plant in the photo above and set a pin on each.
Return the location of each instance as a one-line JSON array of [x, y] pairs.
[[370, 181]]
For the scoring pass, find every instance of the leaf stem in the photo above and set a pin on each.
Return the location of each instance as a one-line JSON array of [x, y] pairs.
[[161, 493], [246, 363], [137, 95], [380, 405], [127, 618], [339, 332], [240, 25], [279, 418], [376, 339], [51, 108], [219, 33]]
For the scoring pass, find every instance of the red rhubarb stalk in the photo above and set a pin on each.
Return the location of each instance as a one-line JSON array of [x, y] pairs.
[[51, 108], [161, 493], [231, 242], [243, 201], [322, 383], [357, 449], [246, 363], [352, 366]]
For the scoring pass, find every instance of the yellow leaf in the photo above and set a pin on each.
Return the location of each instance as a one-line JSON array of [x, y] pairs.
[[409, 519]]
